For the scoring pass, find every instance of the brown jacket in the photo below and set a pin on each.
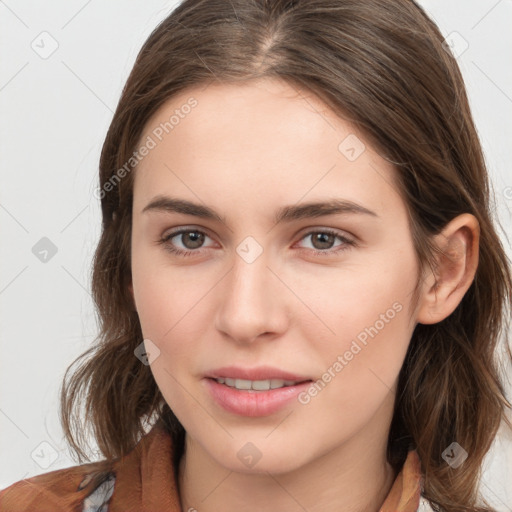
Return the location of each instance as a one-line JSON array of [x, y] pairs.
[[145, 481]]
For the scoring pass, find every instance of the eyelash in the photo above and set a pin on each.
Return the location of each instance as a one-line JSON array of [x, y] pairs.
[[347, 243]]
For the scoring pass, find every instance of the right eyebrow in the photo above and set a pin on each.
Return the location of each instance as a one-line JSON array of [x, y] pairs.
[[169, 204]]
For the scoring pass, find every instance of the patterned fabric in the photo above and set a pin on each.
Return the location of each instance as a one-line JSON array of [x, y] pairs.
[[424, 506], [97, 501]]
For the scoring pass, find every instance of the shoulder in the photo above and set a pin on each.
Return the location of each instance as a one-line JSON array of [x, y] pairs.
[[61, 490], [88, 487]]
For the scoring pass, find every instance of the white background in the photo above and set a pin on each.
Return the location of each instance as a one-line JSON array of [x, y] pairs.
[[54, 116]]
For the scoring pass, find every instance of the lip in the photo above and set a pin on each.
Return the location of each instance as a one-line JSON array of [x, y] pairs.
[[253, 403], [258, 373]]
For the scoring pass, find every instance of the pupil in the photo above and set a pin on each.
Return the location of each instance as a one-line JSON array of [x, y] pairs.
[[197, 239], [321, 238]]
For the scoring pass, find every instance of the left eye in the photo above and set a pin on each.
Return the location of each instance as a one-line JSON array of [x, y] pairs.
[[192, 241], [322, 241]]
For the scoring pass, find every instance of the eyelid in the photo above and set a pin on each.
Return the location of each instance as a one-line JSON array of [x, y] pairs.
[[325, 229], [185, 228]]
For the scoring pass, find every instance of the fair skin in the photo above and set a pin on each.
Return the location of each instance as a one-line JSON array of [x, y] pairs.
[[245, 151]]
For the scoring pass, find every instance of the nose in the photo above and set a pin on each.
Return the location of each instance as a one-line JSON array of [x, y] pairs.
[[253, 302]]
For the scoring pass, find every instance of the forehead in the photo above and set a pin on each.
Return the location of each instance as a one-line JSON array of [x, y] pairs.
[[250, 115], [264, 138]]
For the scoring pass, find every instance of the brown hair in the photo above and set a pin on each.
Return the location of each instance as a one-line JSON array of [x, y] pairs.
[[381, 65]]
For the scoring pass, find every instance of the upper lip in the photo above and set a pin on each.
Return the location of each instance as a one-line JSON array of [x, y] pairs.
[[257, 373]]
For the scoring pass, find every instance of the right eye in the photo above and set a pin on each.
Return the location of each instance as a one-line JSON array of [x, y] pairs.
[[191, 244]]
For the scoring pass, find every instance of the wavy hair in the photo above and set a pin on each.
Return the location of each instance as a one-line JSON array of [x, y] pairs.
[[382, 65]]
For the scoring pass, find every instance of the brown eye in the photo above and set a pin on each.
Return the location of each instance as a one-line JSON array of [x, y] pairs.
[[184, 242], [323, 243], [322, 240], [191, 239]]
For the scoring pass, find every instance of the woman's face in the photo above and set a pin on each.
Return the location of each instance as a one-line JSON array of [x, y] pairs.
[[321, 292]]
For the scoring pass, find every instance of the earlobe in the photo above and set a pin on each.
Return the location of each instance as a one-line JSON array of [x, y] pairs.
[[455, 266]]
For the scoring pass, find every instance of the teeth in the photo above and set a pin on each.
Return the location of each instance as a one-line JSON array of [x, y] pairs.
[[256, 385]]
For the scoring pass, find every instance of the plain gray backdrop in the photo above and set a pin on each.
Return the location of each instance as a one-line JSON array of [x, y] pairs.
[[62, 68]]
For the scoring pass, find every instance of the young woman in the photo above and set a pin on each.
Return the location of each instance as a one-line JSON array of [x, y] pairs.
[[300, 286]]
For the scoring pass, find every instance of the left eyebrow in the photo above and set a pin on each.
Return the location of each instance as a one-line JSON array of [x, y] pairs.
[[284, 214], [319, 209]]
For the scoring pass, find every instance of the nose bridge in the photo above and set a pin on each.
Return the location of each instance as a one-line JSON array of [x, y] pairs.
[[251, 302], [250, 280]]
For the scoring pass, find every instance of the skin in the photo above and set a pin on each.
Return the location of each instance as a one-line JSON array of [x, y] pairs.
[[245, 151]]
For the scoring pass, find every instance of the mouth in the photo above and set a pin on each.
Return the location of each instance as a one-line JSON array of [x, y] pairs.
[[257, 385], [260, 378], [254, 398]]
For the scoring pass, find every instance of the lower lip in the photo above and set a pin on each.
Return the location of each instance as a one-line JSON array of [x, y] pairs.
[[253, 403]]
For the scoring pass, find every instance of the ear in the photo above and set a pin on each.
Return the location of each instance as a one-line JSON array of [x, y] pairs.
[[454, 269]]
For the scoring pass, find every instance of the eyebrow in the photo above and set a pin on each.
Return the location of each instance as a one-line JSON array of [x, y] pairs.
[[284, 214]]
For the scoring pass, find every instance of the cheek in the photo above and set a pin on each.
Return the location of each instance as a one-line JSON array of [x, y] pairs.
[[360, 368], [368, 312], [359, 380], [171, 316], [174, 311], [165, 296], [370, 297]]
